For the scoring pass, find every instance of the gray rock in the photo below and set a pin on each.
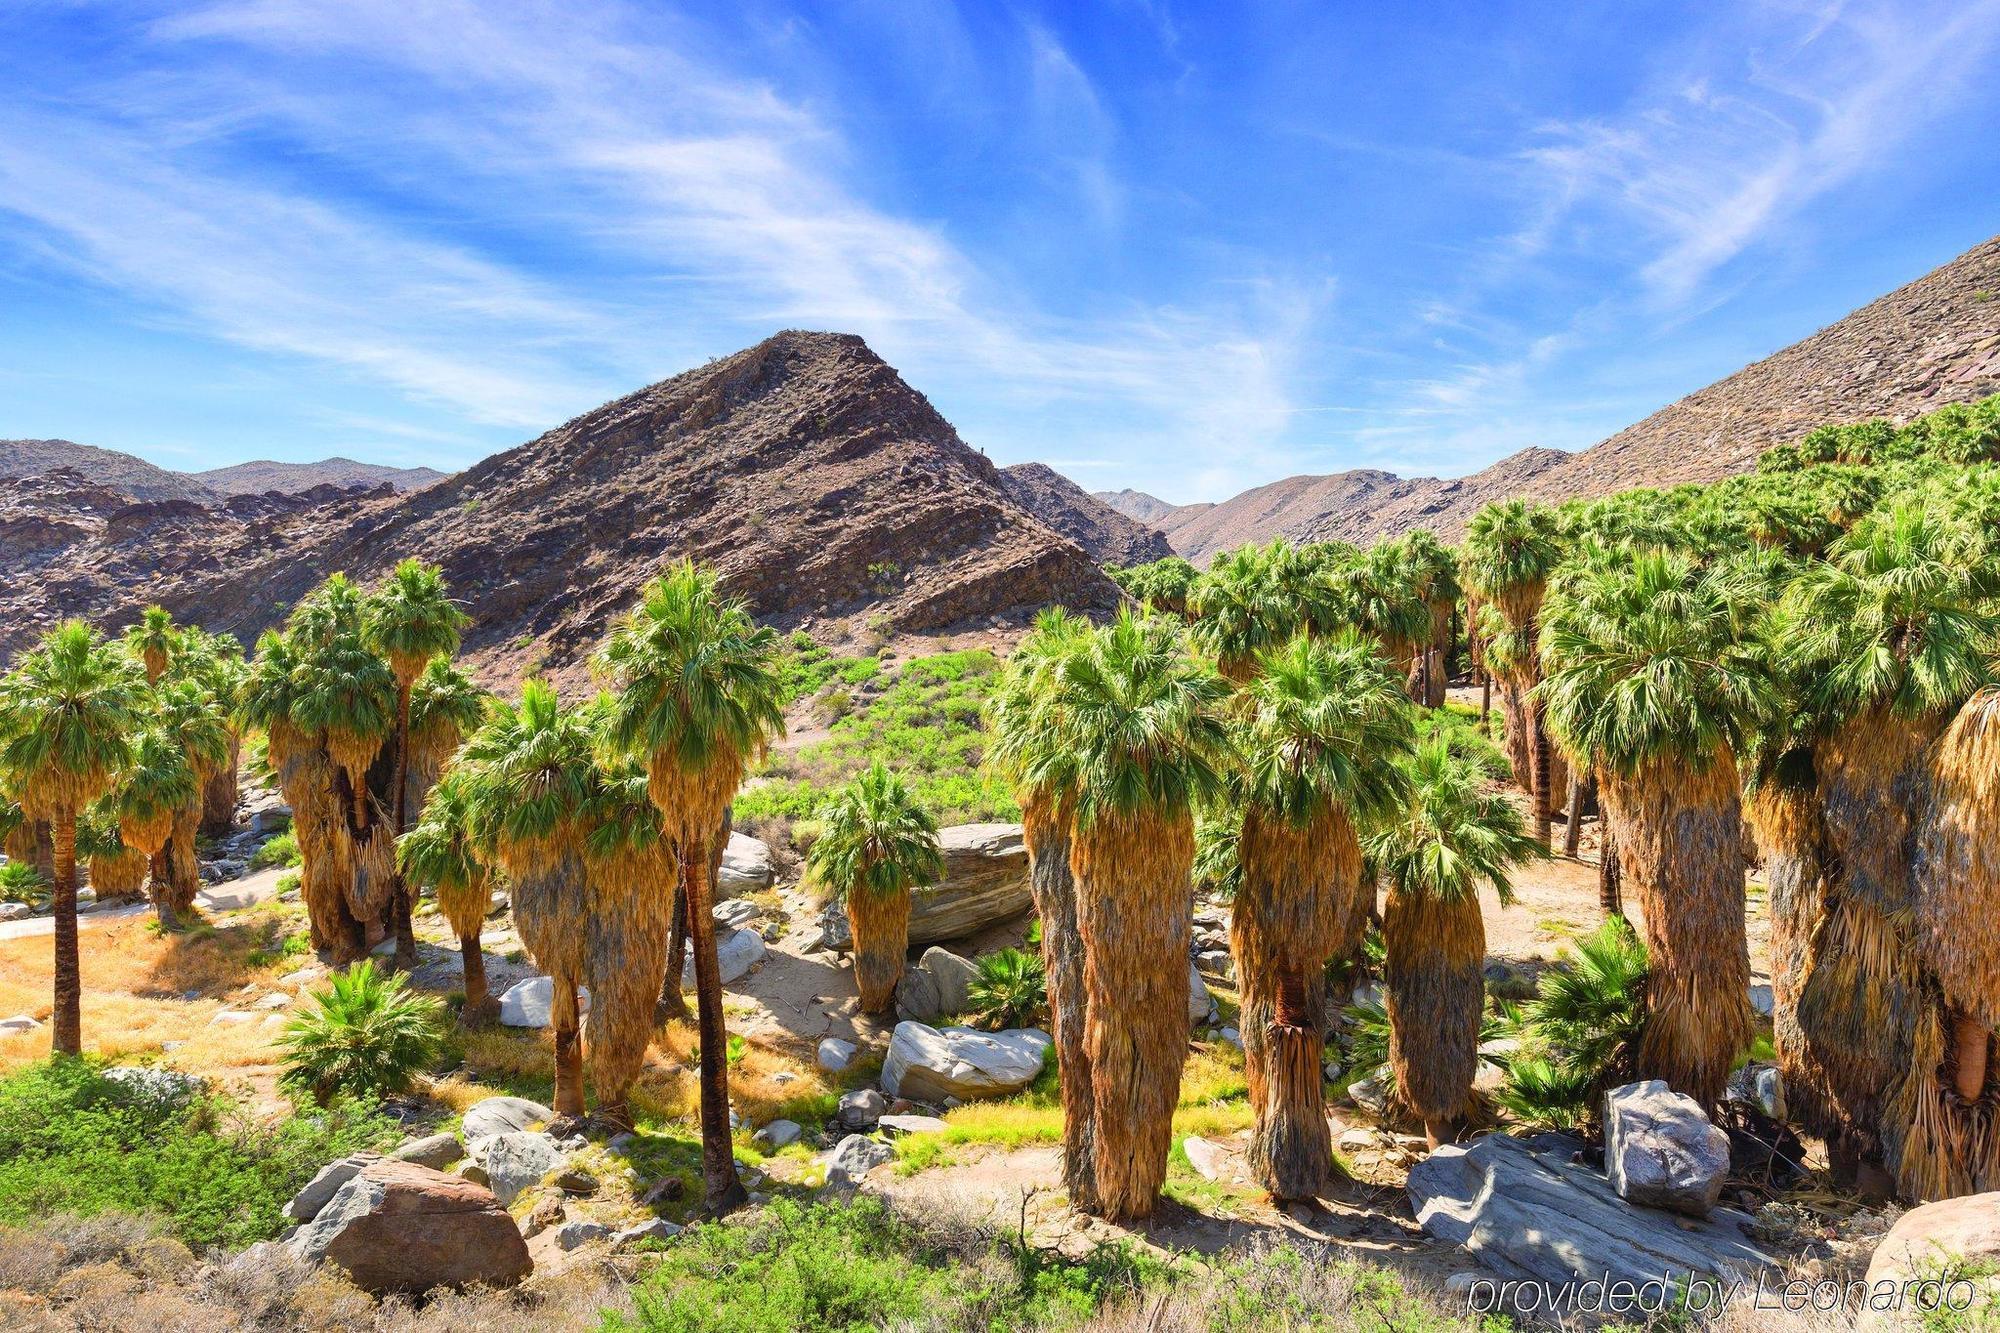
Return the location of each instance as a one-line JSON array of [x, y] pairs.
[[531, 1003], [1760, 1086], [436, 1152], [861, 1109], [1544, 1217], [1216, 962], [397, 1226], [854, 1157], [737, 951], [1206, 1158], [985, 882], [1763, 1000], [15, 911], [735, 913], [1661, 1150], [510, 1163], [18, 1023], [834, 1054], [1369, 1094], [746, 866], [574, 1235], [270, 820], [1200, 1003], [954, 977], [895, 1126], [657, 1229], [306, 1204], [779, 1134], [168, 1087], [503, 1115], [930, 1064], [917, 997]]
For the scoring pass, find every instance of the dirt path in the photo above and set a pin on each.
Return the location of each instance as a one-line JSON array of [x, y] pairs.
[[230, 897]]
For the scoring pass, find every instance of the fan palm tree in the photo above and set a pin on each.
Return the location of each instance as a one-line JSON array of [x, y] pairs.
[[67, 713], [876, 842], [1024, 747], [155, 641], [1451, 836], [215, 661], [698, 700], [532, 774], [442, 850], [1649, 683], [116, 870], [410, 622], [157, 783], [1143, 718], [189, 716], [1326, 721], [1379, 595], [1511, 549], [446, 706], [1432, 568], [1248, 601], [1889, 634]]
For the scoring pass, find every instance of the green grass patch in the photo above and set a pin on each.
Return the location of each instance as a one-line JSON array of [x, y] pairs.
[[282, 850]]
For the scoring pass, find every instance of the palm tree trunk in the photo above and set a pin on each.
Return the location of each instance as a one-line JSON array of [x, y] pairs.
[[722, 1187], [1435, 993], [1291, 1149], [1969, 1041], [218, 795], [1131, 874], [160, 888], [673, 1004], [1540, 759], [1573, 814], [401, 908], [66, 1035], [568, 1026], [1054, 889], [881, 926], [480, 1006], [1610, 877]]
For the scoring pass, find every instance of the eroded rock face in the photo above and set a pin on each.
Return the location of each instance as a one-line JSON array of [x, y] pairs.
[[1661, 1150], [985, 882], [503, 1115], [507, 1164], [397, 1226], [1952, 1234], [928, 1064], [1536, 1213]]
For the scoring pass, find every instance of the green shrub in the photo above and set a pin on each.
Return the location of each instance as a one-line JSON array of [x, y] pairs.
[[1580, 1032], [1011, 991], [282, 850], [366, 1035], [73, 1141], [21, 883]]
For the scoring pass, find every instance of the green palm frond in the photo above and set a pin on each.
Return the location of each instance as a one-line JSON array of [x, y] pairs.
[[67, 714], [1327, 721], [875, 838], [364, 1035], [1452, 833], [410, 619]]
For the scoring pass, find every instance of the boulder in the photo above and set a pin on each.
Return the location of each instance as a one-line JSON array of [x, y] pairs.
[[854, 1157], [17, 1024], [746, 866], [1760, 1087], [834, 1054], [436, 1152], [510, 1163], [1534, 1212], [735, 913], [657, 1229], [397, 1226], [1661, 1150], [573, 1235], [1935, 1238], [861, 1109], [779, 1134], [737, 951], [15, 911], [954, 977], [929, 1064], [306, 1204], [917, 997], [985, 882], [1370, 1095], [895, 1126], [531, 1003], [1207, 1159], [503, 1115], [1201, 1005]]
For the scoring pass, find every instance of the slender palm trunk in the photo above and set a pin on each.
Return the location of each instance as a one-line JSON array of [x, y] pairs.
[[881, 927], [1610, 876], [401, 907], [568, 1024], [1054, 889], [673, 1004], [160, 888], [218, 794], [1435, 995], [1542, 762], [66, 1024], [1573, 814], [1134, 909], [1485, 696], [480, 1006], [722, 1187], [1969, 1042]]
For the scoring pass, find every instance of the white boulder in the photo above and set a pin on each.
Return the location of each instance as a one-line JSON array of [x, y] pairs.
[[1661, 1150], [531, 1003], [929, 1064]]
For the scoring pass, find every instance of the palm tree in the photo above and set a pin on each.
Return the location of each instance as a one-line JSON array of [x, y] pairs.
[[216, 662], [1510, 551], [875, 843], [1024, 747], [1889, 635], [1326, 721], [156, 784], [532, 772], [1649, 683], [446, 706], [1453, 835], [1432, 569], [195, 722], [1379, 595], [410, 622], [155, 642], [67, 713], [1249, 600], [698, 700], [441, 850], [1143, 718], [116, 871]]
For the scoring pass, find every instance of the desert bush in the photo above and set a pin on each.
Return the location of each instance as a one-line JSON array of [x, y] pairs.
[[76, 1142], [366, 1035], [282, 850], [1011, 991], [1579, 1033]]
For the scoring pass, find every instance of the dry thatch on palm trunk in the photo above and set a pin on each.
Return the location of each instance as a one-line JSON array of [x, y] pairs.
[[552, 912], [1433, 978], [1790, 838], [1680, 848], [881, 925], [1135, 908], [632, 899], [1046, 828]]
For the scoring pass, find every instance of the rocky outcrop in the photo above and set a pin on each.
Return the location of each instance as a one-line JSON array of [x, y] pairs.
[[746, 866], [1534, 1212], [939, 986], [985, 882], [400, 1227], [509, 1163], [736, 952], [1952, 1235], [928, 1064], [1106, 536], [262, 476], [503, 1115], [1660, 1149]]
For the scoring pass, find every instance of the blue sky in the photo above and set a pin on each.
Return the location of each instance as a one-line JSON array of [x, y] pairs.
[[1188, 248]]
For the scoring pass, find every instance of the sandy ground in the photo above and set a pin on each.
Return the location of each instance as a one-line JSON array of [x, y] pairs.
[[233, 896]]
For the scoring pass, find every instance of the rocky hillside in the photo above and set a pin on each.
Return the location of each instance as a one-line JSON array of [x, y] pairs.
[[1933, 342], [826, 491], [1107, 536], [291, 478], [1141, 506], [107, 468]]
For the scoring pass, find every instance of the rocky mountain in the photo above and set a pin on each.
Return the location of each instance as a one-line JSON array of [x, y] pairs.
[[290, 478], [825, 490], [129, 476], [1139, 505], [1933, 342], [1107, 536]]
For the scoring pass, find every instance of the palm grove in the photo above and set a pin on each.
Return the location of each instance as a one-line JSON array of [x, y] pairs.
[[1806, 653]]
